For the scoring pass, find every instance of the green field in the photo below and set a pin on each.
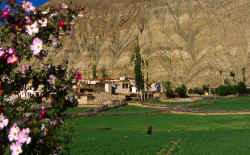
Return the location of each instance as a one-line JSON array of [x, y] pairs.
[[210, 135], [131, 109], [157, 101], [198, 135], [228, 104]]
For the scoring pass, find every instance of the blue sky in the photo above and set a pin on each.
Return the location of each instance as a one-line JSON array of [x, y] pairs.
[[35, 2], [38, 2]]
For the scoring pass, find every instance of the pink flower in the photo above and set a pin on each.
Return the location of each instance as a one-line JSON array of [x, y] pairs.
[[43, 112], [33, 28], [12, 59], [61, 23], [2, 52], [36, 46], [28, 20], [74, 70], [63, 6], [23, 70], [54, 42], [5, 14], [16, 148], [11, 51], [79, 76], [23, 136], [14, 132], [3, 122], [28, 6]]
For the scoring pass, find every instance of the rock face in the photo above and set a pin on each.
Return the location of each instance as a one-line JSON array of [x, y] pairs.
[[194, 42]]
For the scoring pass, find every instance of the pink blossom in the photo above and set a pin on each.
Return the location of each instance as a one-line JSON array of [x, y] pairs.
[[23, 70], [74, 70], [23, 136], [36, 46], [63, 6], [16, 148], [28, 20], [14, 132], [1, 52], [52, 79], [79, 76], [61, 23], [28, 6], [3, 122], [43, 112], [12, 59], [54, 42], [11, 51], [5, 14], [33, 28]]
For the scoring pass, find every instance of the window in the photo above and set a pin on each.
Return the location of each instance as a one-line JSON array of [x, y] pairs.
[[124, 85]]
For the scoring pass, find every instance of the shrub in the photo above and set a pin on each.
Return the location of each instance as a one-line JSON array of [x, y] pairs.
[[190, 91], [32, 123], [205, 88], [242, 88], [198, 91], [224, 90], [168, 89], [181, 91]]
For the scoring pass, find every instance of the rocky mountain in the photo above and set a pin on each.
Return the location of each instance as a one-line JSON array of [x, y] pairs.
[[194, 42]]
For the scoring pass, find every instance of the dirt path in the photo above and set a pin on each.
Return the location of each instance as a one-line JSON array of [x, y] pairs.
[[159, 108], [187, 109], [211, 113]]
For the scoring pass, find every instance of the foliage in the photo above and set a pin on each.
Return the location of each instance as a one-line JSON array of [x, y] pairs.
[[181, 91], [243, 70], [32, 99], [139, 77], [205, 88], [232, 74], [229, 89], [224, 90], [198, 91], [169, 92], [104, 72], [242, 88], [94, 74]]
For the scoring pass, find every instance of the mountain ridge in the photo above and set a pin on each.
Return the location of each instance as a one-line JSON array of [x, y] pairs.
[[194, 42]]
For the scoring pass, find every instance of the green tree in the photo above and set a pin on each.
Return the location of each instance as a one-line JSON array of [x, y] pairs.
[[104, 72], [94, 72], [243, 74], [139, 77]]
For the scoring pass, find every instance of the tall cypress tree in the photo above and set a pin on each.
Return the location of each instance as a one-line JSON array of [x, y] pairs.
[[94, 72], [139, 77], [103, 71]]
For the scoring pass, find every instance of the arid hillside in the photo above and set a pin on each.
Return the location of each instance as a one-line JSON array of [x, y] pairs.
[[194, 42]]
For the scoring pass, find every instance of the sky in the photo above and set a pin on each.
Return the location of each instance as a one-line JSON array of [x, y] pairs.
[[34, 2], [38, 2]]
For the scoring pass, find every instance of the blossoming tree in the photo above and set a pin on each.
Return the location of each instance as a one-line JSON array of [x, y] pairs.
[[30, 124]]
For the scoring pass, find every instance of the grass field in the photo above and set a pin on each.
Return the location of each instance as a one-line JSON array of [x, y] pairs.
[[157, 101], [235, 104], [198, 135], [131, 109]]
